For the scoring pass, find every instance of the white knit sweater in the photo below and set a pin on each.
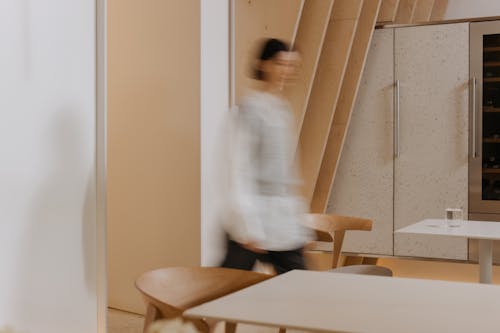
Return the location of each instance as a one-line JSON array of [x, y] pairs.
[[262, 205]]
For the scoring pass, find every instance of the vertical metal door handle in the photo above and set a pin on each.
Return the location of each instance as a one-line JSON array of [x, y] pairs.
[[474, 118], [397, 107]]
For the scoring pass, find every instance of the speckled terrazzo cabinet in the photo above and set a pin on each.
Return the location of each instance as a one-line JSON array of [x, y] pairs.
[[363, 185], [430, 173]]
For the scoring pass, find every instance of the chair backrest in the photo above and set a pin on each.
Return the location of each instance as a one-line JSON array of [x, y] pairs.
[[336, 226], [176, 289]]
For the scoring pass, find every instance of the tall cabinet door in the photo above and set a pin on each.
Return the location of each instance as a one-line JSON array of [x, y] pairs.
[[431, 162], [364, 185]]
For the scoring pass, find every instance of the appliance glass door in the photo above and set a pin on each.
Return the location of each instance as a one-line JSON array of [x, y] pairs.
[[484, 164]]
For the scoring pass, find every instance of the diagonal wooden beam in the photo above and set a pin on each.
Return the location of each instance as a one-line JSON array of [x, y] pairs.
[[344, 108], [406, 10], [326, 89], [388, 11], [297, 21], [423, 11], [309, 40], [439, 10]]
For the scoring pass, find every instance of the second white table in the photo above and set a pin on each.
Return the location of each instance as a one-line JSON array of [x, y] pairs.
[[484, 232]]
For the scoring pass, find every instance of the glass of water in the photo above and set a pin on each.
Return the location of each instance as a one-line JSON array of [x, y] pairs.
[[454, 217]]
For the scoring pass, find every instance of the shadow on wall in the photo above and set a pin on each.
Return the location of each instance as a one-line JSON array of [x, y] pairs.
[[215, 190], [57, 245], [8, 330]]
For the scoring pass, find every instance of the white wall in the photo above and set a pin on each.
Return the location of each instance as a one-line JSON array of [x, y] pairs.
[[458, 9], [48, 234], [214, 104]]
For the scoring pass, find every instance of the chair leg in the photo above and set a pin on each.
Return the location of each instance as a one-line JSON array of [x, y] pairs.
[[282, 330], [152, 314], [370, 261], [201, 325], [230, 327], [353, 260]]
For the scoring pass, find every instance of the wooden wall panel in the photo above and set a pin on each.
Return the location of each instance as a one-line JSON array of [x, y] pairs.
[[255, 20], [439, 9], [309, 41], [423, 11], [153, 142], [406, 11], [326, 89], [347, 98], [388, 11]]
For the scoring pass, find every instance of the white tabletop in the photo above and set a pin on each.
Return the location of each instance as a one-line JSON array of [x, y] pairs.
[[334, 302], [468, 229]]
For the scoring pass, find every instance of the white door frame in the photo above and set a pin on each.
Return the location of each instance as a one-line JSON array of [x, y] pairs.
[[101, 158]]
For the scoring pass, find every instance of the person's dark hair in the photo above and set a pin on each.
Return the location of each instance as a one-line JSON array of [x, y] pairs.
[[270, 47]]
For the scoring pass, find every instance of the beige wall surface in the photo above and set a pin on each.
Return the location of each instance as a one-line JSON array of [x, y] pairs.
[[459, 9], [153, 141]]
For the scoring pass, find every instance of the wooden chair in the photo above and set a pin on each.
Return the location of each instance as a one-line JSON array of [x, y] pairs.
[[168, 292], [336, 226]]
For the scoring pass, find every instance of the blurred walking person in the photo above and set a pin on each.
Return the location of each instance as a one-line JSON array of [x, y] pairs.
[[264, 209]]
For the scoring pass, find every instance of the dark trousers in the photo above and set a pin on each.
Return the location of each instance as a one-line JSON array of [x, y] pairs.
[[283, 261]]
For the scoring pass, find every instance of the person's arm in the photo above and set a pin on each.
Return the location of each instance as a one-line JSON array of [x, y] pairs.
[[245, 168]]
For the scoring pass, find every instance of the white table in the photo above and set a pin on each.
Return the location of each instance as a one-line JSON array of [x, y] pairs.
[[484, 232], [334, 302]]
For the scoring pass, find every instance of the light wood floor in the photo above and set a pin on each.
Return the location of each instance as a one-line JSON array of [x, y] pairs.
[[126, 322]]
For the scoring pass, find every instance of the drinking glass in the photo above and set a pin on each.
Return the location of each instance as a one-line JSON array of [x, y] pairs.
[[454, 217]]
